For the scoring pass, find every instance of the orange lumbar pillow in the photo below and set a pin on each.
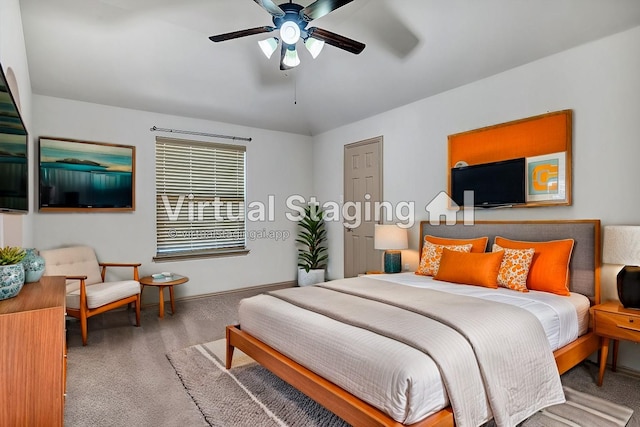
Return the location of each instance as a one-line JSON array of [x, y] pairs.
[[479, 244], [514, 268], [470, 268], [431, 254], [549, 271]]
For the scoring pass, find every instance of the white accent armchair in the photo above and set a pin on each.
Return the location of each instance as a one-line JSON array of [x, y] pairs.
[[87, 292]]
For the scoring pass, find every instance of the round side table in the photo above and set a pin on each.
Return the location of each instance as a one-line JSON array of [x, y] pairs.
[[165, 282]]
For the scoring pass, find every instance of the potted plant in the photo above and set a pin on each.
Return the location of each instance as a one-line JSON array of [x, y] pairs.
[[11, 271], [312, 255]]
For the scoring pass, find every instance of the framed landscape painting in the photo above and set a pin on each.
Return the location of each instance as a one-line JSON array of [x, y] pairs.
[[86, 176]]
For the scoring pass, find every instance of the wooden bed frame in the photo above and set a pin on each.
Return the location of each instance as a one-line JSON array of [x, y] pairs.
[[358, 413]]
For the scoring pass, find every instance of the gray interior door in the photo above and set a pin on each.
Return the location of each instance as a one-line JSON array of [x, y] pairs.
[[363, 191]]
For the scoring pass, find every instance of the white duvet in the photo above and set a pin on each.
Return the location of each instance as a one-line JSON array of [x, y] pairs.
[[563, 318], [396, 378]]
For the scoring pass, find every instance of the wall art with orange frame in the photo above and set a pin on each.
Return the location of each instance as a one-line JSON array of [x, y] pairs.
[[545, 142]]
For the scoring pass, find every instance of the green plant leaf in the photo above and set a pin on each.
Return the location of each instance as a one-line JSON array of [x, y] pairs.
[[312, 235], [11, 255]]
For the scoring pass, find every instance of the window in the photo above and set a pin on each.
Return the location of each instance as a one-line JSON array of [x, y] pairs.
[[200, 199]]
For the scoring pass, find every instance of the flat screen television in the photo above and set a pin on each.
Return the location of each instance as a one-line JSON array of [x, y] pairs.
[[493, 184], [14, 174]]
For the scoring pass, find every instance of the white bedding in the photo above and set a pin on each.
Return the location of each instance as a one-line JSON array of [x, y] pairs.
[[411, 390], [563, 318]]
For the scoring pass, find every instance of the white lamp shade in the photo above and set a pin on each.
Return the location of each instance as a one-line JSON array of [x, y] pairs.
[[621, 245], [390, 237], [314, 46], [291, 58], [268, 46]]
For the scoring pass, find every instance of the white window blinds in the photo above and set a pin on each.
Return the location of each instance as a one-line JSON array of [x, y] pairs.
[[200, 197]]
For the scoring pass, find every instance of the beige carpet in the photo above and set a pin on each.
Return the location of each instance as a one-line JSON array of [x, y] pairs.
[[249, 395]]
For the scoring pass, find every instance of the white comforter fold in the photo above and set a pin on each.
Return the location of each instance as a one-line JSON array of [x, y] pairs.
[[493, 358]]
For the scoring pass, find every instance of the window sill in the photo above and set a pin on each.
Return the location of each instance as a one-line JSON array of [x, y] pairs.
[[185, 256]]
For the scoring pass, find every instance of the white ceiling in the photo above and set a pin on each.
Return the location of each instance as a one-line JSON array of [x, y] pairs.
[[155, 55]]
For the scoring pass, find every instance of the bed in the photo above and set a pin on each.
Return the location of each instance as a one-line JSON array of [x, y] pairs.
[[353, 400]]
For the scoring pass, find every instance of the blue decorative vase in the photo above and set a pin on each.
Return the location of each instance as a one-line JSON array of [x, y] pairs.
[[33, 266], [392, 261], [11, 280]]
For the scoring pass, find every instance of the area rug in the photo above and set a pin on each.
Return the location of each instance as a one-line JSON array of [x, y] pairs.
[[249, 395]]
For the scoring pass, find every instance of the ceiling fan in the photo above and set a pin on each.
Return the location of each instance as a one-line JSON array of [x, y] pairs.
[[291, 20]]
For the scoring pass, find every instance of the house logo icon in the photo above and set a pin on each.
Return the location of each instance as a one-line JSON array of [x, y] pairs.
[[442, 207]]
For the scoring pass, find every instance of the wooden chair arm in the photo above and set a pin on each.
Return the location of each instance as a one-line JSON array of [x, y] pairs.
[[119, 264], [104, 265], [83, 292]]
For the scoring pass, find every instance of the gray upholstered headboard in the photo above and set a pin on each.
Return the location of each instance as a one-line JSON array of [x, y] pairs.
[[584, 268]]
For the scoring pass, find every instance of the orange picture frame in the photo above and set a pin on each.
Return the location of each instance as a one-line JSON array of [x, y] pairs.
[[544, 140]]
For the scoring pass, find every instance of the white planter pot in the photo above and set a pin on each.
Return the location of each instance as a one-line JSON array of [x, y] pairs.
[[310, 278]]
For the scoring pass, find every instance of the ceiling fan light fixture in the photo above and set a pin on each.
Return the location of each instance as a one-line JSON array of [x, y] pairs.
[[268, 46], [290, 21], [290, 32], [314, 46], [291, 58]]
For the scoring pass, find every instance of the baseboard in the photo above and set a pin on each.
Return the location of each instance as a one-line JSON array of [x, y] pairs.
[[627, 371], [264, 288], [619, 369]]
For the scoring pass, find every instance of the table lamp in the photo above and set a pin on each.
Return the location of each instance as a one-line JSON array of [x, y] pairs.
[[391, 239], [622, 246]]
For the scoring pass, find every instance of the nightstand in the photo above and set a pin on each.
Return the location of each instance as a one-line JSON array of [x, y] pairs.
[[370, 272], [611, 321]]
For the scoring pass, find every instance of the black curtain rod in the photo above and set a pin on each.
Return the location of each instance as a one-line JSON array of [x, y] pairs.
[[188, 132]]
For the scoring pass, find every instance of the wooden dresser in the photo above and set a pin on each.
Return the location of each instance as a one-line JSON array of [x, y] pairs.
[[33, 355]]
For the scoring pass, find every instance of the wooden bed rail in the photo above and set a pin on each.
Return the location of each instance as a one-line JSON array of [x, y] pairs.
[[340, 402], [347, 406], [575, 352]]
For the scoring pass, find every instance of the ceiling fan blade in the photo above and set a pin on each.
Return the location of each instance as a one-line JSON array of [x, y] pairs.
[[319, 8], [271, 7], [241, 33], [336, 40]]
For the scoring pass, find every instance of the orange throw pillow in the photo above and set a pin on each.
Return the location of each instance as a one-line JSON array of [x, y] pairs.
[[431, 254], [514, 268], [478, 244], [470, 268], [549, 271]]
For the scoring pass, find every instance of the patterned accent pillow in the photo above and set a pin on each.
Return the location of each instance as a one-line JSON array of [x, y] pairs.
[[431, 255], [514, 268], [549, 271]]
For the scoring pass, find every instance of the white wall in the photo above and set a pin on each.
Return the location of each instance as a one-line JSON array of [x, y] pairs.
[[598, 81], [13, 55], [278, 164]]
